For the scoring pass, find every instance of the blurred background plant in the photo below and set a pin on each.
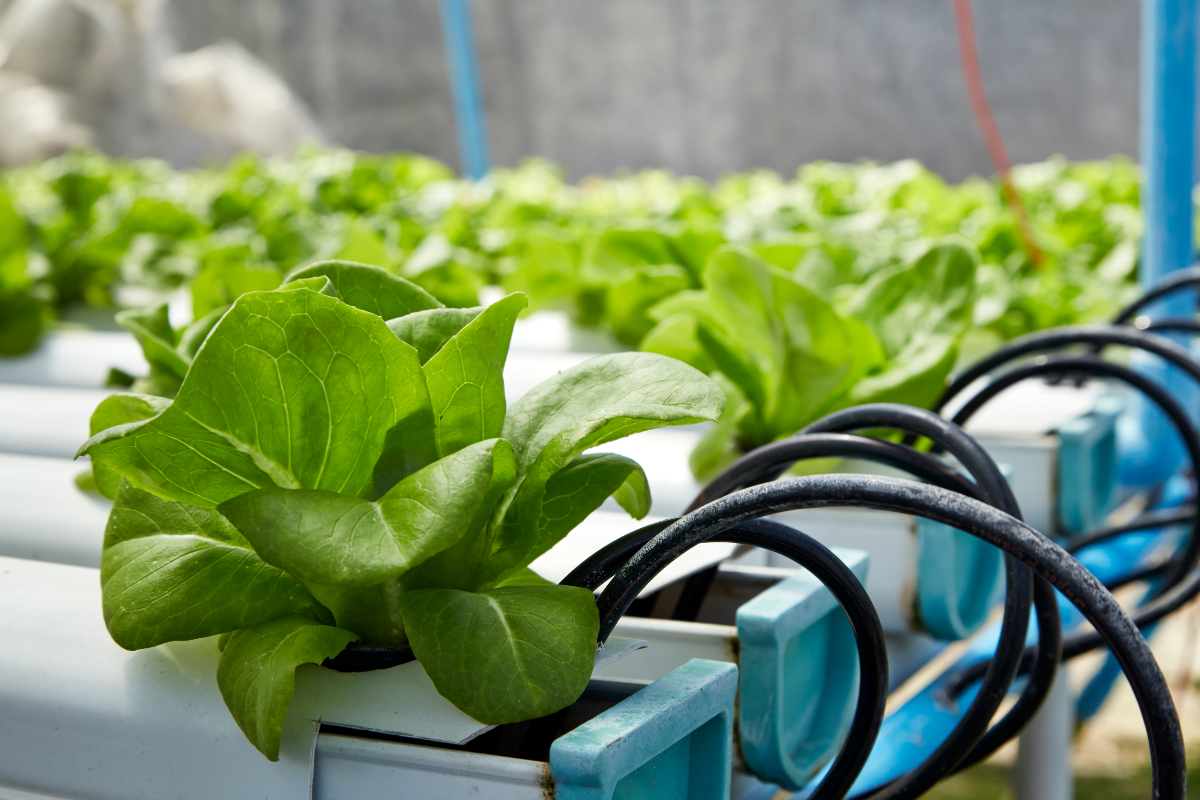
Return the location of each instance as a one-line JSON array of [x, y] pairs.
[[83, 230]]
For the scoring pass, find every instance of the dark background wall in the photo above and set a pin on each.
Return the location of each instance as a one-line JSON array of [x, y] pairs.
[[705, 86]]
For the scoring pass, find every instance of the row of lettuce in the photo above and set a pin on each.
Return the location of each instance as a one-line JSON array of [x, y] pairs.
[[845, 285], [83, 229]]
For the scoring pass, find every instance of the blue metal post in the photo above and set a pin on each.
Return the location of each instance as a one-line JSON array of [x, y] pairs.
[[1168, 127], [466, 88]]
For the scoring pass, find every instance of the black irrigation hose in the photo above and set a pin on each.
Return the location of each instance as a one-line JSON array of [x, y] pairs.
[[764, 463], [830, 571], [767, 462], [875, 415], [1049, 560], [972, 737], [943, 432], [1095, 367], [1147, 521], [972, 727], [1098, 337], [1058, 338], [601, 565], [1183, 582], [1172, 324], [1021, 713], [1180, 279]]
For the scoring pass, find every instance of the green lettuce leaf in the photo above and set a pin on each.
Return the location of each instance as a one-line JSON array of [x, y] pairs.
[[152, 329], [521, 576], [933, 295], [171, 572], [676, 337], [257, 673], [292, 389], [120, 408], [369, 288], [327, 538], [598, 401], [506, 654], [194, 334], [465, 378], [635, 292], [613, 251], [428, 331], [786, 349], [579, 488], [220, 284]]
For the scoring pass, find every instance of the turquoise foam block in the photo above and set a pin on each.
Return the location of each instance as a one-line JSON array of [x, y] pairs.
[[1087, 466], [799, 665], [672, 740], [959, 578]]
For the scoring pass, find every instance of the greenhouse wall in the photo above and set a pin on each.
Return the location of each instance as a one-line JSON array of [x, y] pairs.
[[705, 86]]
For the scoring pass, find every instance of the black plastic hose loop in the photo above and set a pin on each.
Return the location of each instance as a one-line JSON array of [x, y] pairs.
[[1058, 338], [1049, 560], [1096, 367], [845, 588], [768, 462], [1148, 521], [971, 735], [1011, 644], [593, 571], [1041, 678], [1180, 279], [869, 641], [936, 428], [1002, 669], [1172, 325]]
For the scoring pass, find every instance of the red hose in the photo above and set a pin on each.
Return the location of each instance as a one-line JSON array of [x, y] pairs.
[[987, 127]]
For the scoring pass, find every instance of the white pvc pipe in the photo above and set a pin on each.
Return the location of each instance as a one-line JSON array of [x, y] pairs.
[[45, 421], [44, 516], [80, 359], [83, 718], [1043, 768]]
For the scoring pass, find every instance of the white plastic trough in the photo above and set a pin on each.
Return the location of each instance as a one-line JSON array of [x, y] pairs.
[[83, 718]]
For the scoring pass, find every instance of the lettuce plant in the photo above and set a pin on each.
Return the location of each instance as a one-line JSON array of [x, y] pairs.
[[324, 476], [79, 227], [786, 354]]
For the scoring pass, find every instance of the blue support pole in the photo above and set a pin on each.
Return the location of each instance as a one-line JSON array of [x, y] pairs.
[[1168, 136], [466, 88]]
